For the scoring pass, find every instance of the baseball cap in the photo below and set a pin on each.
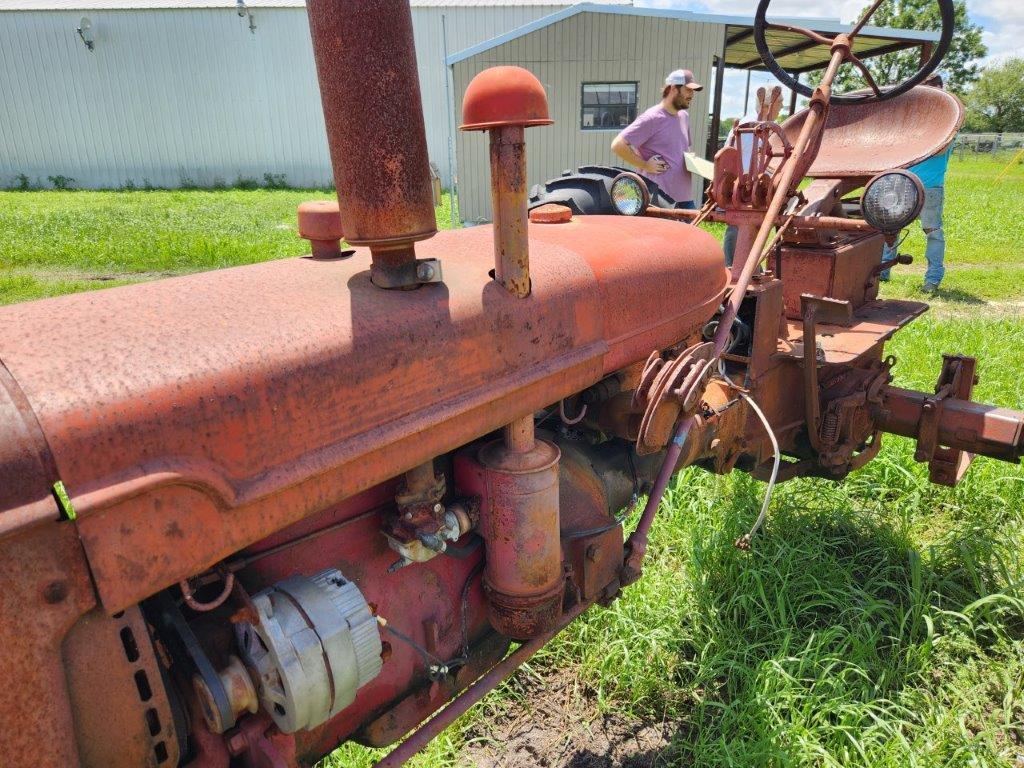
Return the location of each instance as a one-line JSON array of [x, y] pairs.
[[683, 77]]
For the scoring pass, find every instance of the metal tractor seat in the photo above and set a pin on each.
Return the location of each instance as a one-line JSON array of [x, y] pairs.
[[865, 139]]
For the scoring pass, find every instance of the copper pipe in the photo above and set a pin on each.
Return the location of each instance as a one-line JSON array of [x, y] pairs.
[[369, 87], [508, 200]]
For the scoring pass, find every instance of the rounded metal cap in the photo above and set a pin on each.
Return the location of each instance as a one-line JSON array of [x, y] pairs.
[[504, 96], [320, 220], [551, 213]]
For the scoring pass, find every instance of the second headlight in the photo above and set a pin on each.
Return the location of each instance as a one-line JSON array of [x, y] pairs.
[[892, 200]]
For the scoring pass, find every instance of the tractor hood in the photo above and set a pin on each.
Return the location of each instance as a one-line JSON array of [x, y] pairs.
[[190, 417]]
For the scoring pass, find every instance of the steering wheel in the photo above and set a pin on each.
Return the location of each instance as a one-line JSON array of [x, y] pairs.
[[875, 93]]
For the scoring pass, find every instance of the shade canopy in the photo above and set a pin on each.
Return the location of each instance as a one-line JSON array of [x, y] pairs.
[[797, 54]]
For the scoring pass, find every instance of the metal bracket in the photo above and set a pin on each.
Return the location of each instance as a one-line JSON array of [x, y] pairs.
[[946, 466], [831, 311], [407, 275]]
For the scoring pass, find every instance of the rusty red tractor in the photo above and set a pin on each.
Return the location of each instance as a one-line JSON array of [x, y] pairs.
[[252, 514]]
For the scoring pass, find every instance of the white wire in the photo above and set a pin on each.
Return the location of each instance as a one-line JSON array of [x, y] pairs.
[[775, 468]]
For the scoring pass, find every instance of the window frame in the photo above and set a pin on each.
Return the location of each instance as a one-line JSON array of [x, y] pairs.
[[616, 128]]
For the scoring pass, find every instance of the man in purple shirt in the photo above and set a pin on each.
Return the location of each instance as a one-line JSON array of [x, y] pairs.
[[656, 141]]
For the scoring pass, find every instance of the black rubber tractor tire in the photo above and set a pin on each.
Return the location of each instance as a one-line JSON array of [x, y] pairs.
[[587, 191]]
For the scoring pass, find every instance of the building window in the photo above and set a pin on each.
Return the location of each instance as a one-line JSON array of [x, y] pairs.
[[607, 106]]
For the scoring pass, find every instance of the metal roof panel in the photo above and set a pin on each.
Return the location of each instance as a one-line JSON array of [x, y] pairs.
[[90, 5], [830, 26]]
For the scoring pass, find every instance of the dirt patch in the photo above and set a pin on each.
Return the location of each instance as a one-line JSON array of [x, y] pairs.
[[553, 724]]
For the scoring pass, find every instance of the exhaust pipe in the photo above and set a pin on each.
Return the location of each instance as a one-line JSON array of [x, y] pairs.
[[369, 86]]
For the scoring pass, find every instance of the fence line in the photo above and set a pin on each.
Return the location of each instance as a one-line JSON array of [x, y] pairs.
[[988, 143]]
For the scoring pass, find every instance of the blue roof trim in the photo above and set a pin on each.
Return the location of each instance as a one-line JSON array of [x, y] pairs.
[[832, 26]]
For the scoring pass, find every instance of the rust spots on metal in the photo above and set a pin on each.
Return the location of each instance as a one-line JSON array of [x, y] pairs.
[[320, 223], [551, 213], [866, 139], [122, 712], [504, 96], [372, 108], [38, 565], [29, 470], [505, 101], [519, 522], [508, 205]]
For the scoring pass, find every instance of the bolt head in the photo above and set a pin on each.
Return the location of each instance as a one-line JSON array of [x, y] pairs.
[[425, 271]]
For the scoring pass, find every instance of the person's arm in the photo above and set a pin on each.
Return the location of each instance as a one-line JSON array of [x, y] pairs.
[[635, 135], [625, 152]]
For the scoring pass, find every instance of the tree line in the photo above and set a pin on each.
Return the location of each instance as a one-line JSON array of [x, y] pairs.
[[993, 94]]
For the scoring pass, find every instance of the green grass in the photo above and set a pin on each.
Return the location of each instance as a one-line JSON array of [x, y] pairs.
[[57, 242], [877, 622]]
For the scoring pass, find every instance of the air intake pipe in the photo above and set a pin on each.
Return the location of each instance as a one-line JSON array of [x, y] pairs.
[[504, 101], [366, 65]]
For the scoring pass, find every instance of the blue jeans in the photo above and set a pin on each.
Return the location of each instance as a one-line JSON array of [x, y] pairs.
[[729, 244], [686, 205], [935, 248]]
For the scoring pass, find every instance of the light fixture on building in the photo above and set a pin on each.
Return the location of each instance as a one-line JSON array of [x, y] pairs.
[[84, 31], [243, 12]]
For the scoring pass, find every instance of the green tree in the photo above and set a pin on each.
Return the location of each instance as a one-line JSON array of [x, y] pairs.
[[996, 102], [960, 68]]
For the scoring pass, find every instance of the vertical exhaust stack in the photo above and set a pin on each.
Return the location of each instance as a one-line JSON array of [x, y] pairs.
[[366, 65], [504, 101]]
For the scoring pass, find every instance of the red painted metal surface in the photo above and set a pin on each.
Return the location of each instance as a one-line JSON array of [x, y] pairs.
[[551, 213], [122, 710], [46, 588], [866, 139], [180, 443], [519, 520], [504, 96], [320, 223], [964, 425], [29, 471], [842, 271]]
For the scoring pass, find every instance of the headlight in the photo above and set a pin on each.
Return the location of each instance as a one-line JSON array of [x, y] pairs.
[[630, 195], [892, 200]]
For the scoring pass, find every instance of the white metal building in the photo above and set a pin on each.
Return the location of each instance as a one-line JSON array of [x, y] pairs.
[[190, 91], [175, 92]]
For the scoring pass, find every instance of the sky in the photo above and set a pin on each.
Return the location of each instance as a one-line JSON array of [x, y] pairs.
[[1001, 20]]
